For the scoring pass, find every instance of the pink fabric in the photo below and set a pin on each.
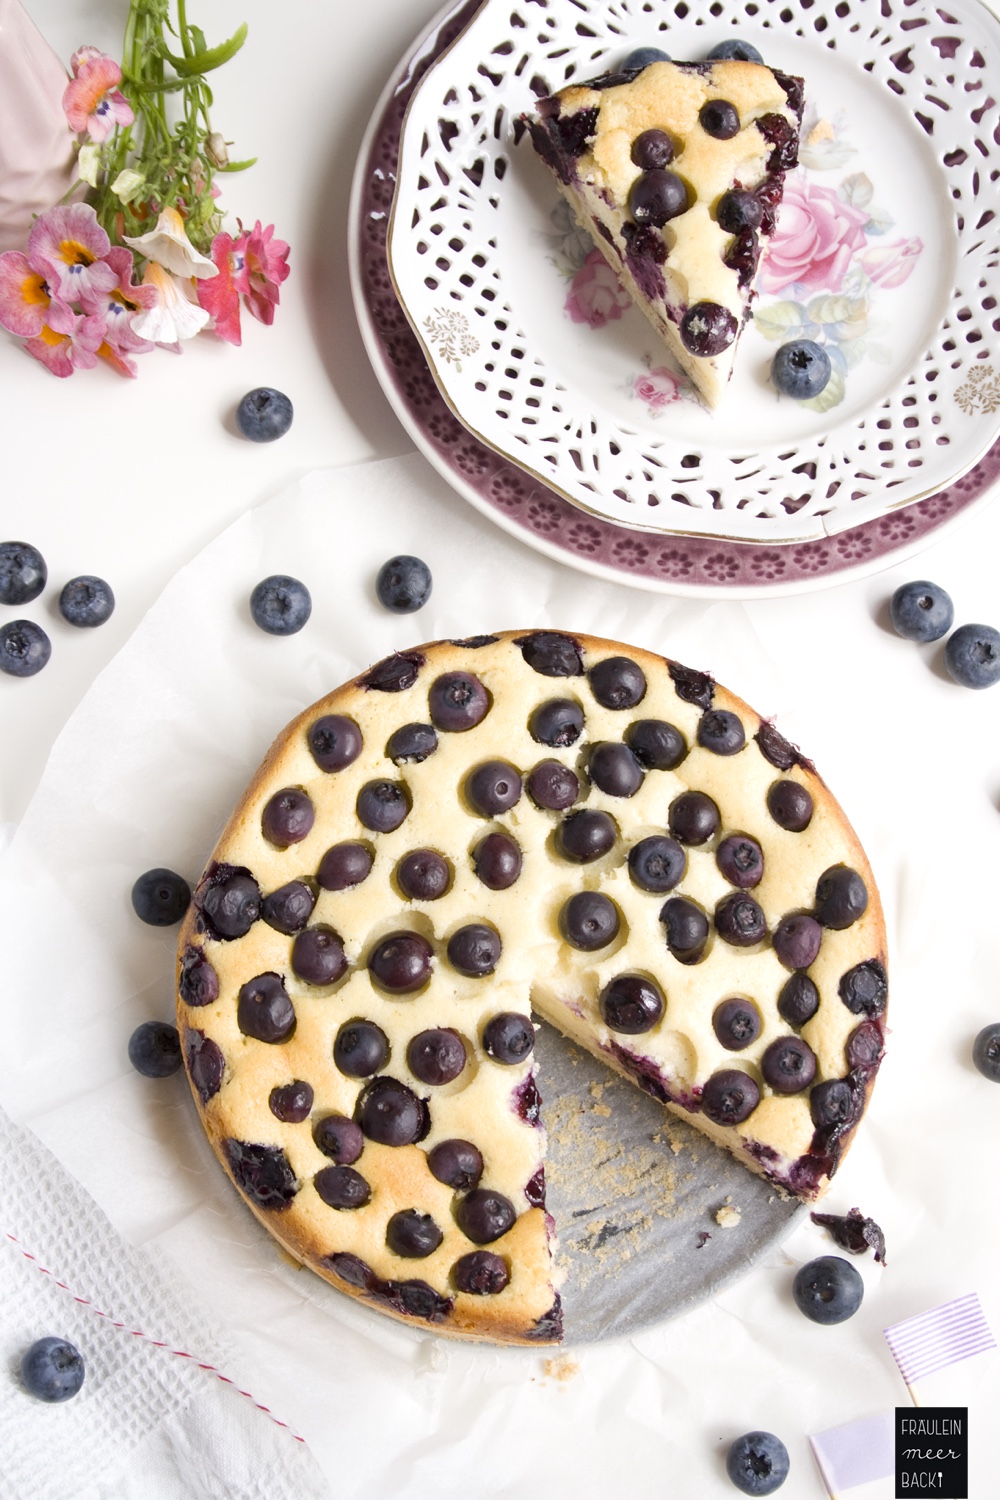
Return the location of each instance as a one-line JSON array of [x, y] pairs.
[[37, 164]]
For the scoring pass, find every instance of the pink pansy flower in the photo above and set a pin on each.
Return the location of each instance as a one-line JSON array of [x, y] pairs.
[[119, 306], [93, 102], [890, 265], [595, 297], [26, 300], [220, 296], [69, 245], [657, 387], [817, 237], [73, 348], [266, 269]]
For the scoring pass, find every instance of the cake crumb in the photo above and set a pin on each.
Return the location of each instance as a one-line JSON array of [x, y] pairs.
[[562, 1368], [597, 1090], [601, 1109], [727, 1217], [821, 131]]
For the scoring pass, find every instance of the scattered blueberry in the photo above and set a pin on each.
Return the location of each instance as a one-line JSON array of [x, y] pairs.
[[52, 1369], [589, 921], [921, 611], [264, 415], [656, 863], [361, 1049], [24, 648], [719, 119], [423, 875], [641, 57], [154, 1049], [631, 1004], [707, 328], [828, 1290], [686, 928], [86, 601], [458, 1164], [653, 148], [401, 962], [494, 787], [556, 723], [412, 1234], [841, 897], [280, 605], [656, 197], [693, 818], [741, 860], [790, 805], [318, 955], [160, 897], [986, 1052], [972, 656], [553, 785], [485, 1215], [509, 1037], [403, 584], [474, 950], [757, 1462], [436, 1056], [22, 572], [496, 860], [730, 1097], [801, 369], [788, 1065], [735, 51], [736, 1023]]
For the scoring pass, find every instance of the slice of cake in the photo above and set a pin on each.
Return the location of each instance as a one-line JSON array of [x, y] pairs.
[[475, 829], [677, 171]]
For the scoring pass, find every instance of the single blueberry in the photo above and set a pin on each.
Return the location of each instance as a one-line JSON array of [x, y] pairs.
[[485, 1215], [972, 656], [86, 601], [614, 769], [686, 928], [721, 732], [24, 648], [641, 57], [474, 950], [457, 701], [707, 328], [656, 745], [493, 787], [790, 805], [986, 1052], [289, 908], [342, 1187], [52, 1369], [264, 1173], [509, 1038], [741, 860], [657, 197], [480, 1273], [229, 900], [841, 897], [801, 369], [657, 863], [318, 955], [154, 1049], [631, 1004], [436, 1056], [735, 51], [334, 741], [556, 723], [401, 962], [720, 119], [788, 1065], [412, 1235], [390, 1113], [264, 414], [22, 572], [796, 940], [344, 865], [340, 1139], [280, 605], [552, 785], [411, 744], [160, 897], [288, 817], [423, 875], [653, 148], [458, 1164], [403, 584], [739, 920], [383, 805], [757, 1462], [497, 861], [586, 835], [921, 611], [798, 1000], [738, 210], [589, 921], [828, 1290], [361, 1048], [617, 682], [730, 1097], [291, 1102], [736, 1023], [264, 1010]]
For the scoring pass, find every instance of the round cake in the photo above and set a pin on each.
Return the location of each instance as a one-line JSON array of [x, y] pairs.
[[480, 828]]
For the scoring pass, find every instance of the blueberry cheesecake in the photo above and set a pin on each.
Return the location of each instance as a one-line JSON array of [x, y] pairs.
[[474, 830], [676, 170]]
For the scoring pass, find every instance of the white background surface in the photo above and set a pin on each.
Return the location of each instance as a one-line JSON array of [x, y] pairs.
[[130, 480]]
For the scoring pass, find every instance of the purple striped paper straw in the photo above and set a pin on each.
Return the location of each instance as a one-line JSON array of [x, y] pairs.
[[943, 1336]]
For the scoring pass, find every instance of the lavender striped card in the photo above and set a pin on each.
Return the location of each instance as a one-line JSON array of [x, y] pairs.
[[943, 1336]]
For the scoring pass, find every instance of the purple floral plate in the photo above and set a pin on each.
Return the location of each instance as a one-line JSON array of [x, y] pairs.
[[528, 508]]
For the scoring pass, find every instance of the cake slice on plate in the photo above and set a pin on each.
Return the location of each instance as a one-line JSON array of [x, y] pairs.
[[677, 170]]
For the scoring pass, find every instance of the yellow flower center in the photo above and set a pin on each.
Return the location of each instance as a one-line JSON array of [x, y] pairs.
[[35, 291], [75, 254], [49, 336]]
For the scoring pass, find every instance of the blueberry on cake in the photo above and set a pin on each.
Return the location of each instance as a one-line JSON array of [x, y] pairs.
[[475, 830], [676, 170]]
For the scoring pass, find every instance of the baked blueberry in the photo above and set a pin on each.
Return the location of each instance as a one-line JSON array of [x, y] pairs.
[[735, 50], [401, 962], [738, 210], [344, 865], [338, 1138], [790, 805], [390, 1113], [656, 197], [403, 584], [631, 1004], [828, 1289], [586, 835], [395, 673], [719, 119], [412, 744], [972, 656], [798, 1000], [757, 1462], [552, 785], [494, 787], [342, 1187], [412, 1235], [707, 328], [557, 723], [656, 863], [921, 611], [721, 732], [864, 989], [423, 875], [86, 601], [264, 414], [458, 1164], [496, 860], [205, 1063], [509, 1038], [52, 1369], [436, 1056], [318, 955], [641, 57], [832, 1103], [617, 682], [796, 940], [263, 1173], [264, 1010], [483, 1216], [457, 701], [788, 1065], [289, 908], [154, 1049], [383, 805], [614, 769], [23, 573], [686, 928], [656, 745], [24, 648], [741, 860], [865, 1045], [361, 1048], [801, 369], [291, 1102], [480, 1273], [651, 149], [736, 1023], [334, 741], [986, 1052], [198, 983], [693, 818], [589, 921], [730, 1097], [288, 817], [551, 654], [229, 902], [739, 920], [280, 605], [160, 897], [841, 897], [474, 949]]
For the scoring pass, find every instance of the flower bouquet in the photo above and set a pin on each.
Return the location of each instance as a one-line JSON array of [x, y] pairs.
[[135, 255]]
